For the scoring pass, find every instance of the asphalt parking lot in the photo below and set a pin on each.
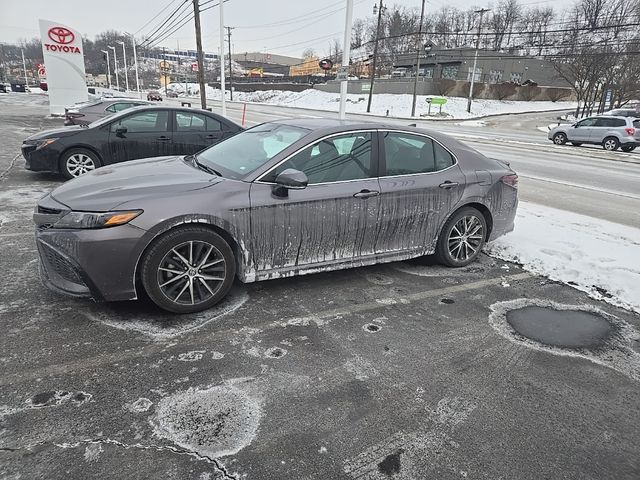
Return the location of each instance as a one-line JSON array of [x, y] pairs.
[[403, 371]]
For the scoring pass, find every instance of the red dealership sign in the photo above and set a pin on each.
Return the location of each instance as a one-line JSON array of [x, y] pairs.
[[62, 36]]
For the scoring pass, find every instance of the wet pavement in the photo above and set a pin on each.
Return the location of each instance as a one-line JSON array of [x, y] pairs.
[[401, 371]]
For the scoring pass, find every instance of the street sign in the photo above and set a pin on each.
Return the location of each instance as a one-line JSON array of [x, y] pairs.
[[365, 87], [194, 67], [325, 64], [343, 73], [433, 100]]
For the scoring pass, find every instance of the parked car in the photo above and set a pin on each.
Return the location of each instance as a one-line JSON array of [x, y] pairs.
[[624, 112], [171, 94], [87, 112], [609, 131], [284, 198], [138, 132], [154, 96]]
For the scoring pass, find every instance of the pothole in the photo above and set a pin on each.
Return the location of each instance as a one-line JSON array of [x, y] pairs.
[[560, 328], [48, 399], [371, 328], [569, 330], [213, 422], [447, 301], [275, 352]]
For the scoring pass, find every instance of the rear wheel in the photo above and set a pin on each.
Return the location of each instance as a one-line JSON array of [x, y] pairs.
[[560, 138], [461, 238], [188, 270], [78, 161], [628, 148], [610, 143]]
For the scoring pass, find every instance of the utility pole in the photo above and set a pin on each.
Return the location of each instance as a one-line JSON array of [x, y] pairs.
[[124, 62], [345, 58], [203, 92], [135, 62], [418, 49], [375, 53], [482, 11], [223, 104], [230, 64], [106, 52], [163, 69], [115, 65], [24, 67]]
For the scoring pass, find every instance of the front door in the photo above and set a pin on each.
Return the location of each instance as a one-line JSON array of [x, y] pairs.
[[332, 220], [140, 135], [193, 132], [581, 131], [420, 183]]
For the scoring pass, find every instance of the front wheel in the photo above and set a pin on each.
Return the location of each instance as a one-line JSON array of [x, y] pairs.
[[610, 144], [188, 270], [461, 238], [78, 161], [628, 148], [560, 138]]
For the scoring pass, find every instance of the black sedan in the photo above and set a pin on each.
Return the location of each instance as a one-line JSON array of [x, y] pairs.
[[140, 132]]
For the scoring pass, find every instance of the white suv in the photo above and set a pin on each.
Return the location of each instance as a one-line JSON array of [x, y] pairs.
[[609, 131]]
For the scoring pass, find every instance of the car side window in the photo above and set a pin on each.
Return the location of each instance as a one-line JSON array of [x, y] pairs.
[[333, 159], [587, 122], [213, 125], [111, 108], [190, 122], [618, 122], [153, 121], [407, 154]]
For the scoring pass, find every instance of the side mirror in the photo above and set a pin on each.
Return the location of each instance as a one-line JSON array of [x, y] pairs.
[[290, 179], [120, 131]]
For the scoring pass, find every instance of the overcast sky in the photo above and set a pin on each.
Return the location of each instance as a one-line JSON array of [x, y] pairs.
[[284, 27]]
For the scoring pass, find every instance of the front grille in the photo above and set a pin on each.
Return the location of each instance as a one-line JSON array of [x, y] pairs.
[[27, 149], [60, 265]]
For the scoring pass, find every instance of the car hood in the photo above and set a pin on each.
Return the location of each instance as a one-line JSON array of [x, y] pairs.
[[105, 188], [55, 133]]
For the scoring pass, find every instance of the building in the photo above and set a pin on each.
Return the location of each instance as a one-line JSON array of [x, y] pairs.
[[309, 66], [491, 67], [269, 63]]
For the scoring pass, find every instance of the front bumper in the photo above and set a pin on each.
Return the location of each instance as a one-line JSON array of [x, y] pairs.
[[96, 263], [42, 160]]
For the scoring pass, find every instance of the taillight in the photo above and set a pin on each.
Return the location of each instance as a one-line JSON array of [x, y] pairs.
[[511, 180], [630, 131]]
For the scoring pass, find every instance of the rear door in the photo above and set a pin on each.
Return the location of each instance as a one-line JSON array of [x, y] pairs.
[[141, 134], [420, 183], [194, 131]]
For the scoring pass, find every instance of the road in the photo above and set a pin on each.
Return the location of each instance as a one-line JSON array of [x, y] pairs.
[[584, 180]]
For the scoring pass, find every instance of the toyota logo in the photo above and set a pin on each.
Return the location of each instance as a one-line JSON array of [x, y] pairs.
[[61, 35]]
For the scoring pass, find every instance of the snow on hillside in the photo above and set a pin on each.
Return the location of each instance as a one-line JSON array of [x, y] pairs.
[[394, 105], [595, 256]]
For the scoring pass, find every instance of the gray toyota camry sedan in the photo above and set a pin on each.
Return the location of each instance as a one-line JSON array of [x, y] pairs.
[[284, 198]]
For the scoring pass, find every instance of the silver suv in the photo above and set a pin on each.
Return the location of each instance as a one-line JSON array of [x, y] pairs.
[[609, 131]]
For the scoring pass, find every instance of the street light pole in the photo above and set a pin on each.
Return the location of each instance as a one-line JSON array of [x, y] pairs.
[[24, 68], [115, 66], [482, 11], [345, 58], [124, 62], [106, 52], [418, 48], [222, 86], [375, 54], [135, 62]]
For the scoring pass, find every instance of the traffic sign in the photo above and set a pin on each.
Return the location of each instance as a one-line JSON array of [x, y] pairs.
[[433, 100], [343, 73], [325, 64]]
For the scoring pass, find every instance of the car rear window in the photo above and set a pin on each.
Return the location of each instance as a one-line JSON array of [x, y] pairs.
[[636, 123]]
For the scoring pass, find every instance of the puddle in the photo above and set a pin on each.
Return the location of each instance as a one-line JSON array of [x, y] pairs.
[[371, 328], [569, 330], [275, 352], [560, 328], [447, 301]]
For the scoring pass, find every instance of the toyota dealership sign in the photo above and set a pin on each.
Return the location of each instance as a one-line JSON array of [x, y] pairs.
[[64, 61]]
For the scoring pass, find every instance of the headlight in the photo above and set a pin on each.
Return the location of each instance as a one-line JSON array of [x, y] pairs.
[[96, 219], [43, 143]]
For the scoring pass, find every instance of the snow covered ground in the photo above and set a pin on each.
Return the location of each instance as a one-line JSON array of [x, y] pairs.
[[595, 256], [395, 105]]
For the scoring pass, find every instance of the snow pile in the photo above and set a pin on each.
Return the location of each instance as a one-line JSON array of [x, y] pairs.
[[393, 105], [598, 257]]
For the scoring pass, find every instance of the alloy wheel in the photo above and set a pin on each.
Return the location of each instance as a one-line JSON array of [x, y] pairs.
[[559, 139], [465, 238], [610, 144], [191, 273], [79, 164]]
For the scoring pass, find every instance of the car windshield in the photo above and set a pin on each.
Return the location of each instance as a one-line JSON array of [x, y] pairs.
[[249, 150]]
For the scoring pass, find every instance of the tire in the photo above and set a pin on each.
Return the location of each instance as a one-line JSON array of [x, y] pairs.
[[576, 144], [628, 148], [611, 144], [560, 138], [171, 273], [78, 161], [460, 224]]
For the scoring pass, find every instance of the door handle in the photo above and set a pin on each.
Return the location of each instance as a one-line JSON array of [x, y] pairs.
[[366, 193], [163, 139], [213, 136], [448, 184]]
